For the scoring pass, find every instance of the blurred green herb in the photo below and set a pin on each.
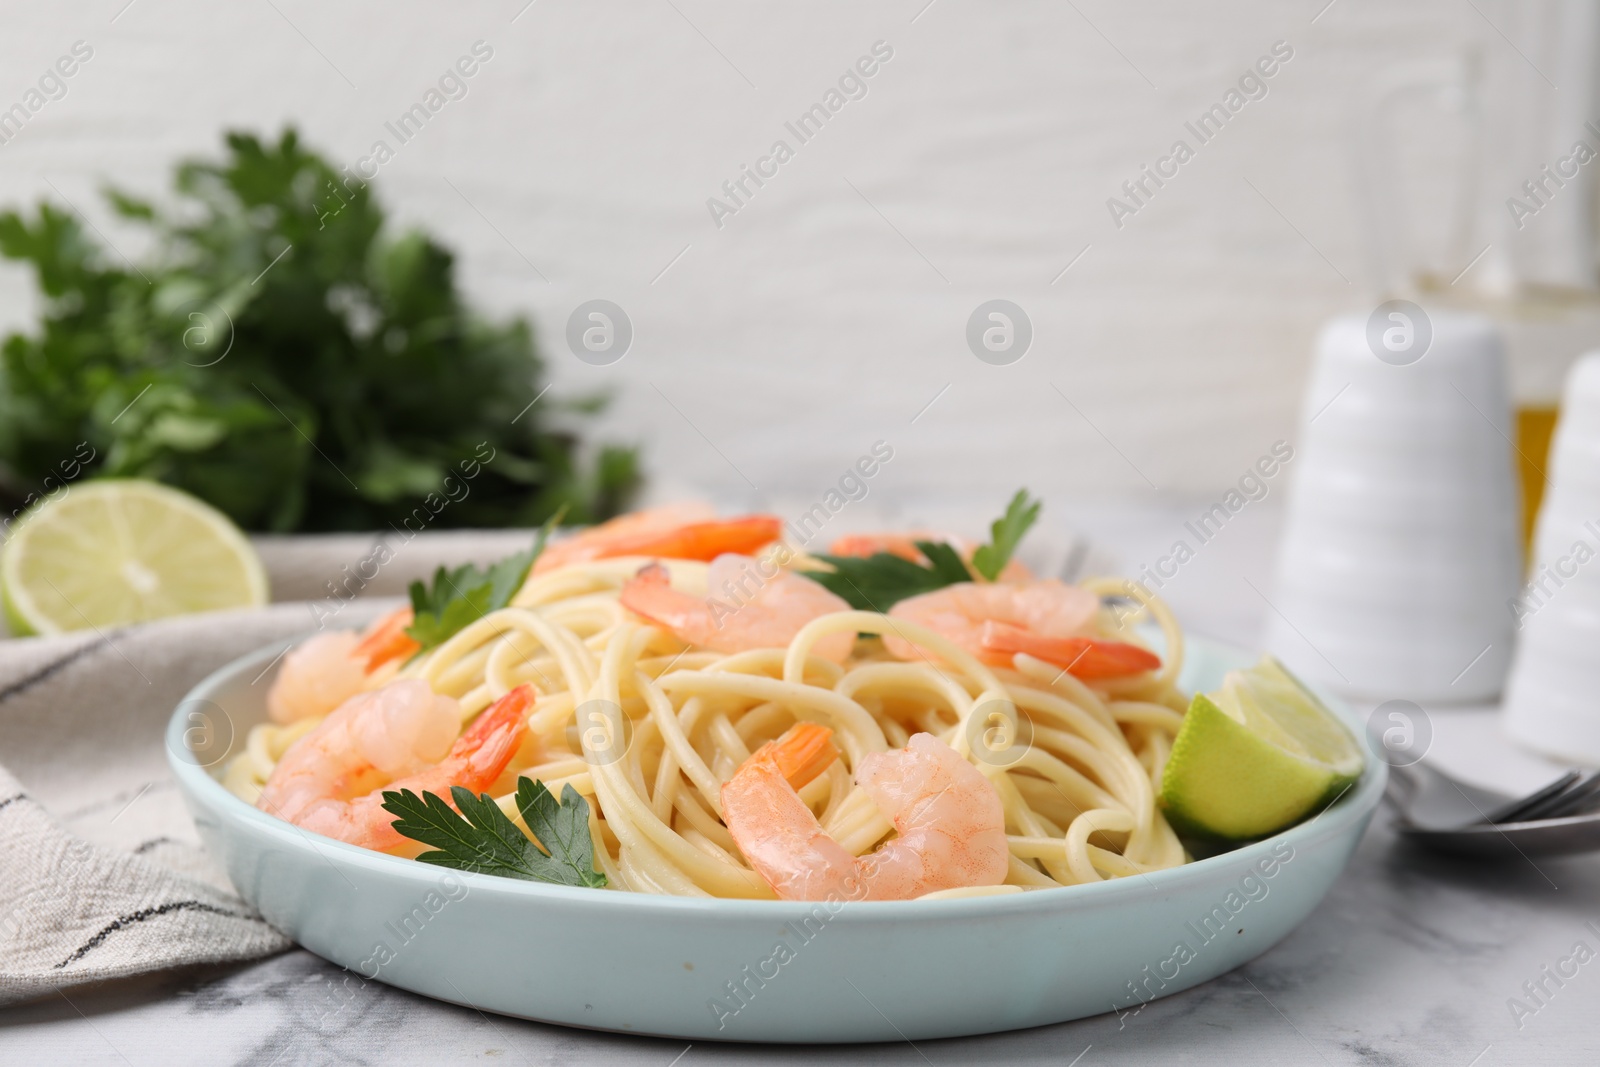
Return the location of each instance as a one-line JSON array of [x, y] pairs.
[[883, 579], [462, 596], [282, 354], [1005, 533]]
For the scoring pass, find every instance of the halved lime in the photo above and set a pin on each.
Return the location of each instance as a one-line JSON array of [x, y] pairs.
[[1259, 754], [108, 553]]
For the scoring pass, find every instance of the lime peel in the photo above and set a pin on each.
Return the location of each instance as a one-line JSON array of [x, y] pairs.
[[1259, 754]]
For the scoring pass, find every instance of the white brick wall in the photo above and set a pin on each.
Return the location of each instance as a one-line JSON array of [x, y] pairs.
[[811, 325]]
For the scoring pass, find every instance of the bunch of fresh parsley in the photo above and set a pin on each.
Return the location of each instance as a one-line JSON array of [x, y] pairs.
[[879, 581], [282, 354]]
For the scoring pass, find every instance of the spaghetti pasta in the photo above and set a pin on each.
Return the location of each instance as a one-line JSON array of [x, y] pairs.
[[649, 728]]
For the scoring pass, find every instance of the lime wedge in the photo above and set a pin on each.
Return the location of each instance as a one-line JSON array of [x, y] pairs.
[[1259, 754], [108, 553]]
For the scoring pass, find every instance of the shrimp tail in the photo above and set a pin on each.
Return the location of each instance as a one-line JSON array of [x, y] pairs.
[[476, 759], [667, 533], [801, 754], [708, 540], [1083, 657], [386, 640], [489, 743]]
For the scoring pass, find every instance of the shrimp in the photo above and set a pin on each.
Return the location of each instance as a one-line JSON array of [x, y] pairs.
[[386, 640], [1045, 619], [316, 676], [678, 531], [768, 618], [324, 671], [949, 822], [331, 781], [904, 545]]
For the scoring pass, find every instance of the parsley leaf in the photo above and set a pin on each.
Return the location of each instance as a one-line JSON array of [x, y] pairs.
[[564, 829], [464, 595], [483, 840], [1005, 533], [879, 581]]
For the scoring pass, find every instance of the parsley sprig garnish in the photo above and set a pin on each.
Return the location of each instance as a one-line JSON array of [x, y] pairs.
[[466, 594], [480, 838], [873, 583], [1005, 533], [883, 579]]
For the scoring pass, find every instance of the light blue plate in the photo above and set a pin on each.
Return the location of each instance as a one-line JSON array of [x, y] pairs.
[[741, 970]]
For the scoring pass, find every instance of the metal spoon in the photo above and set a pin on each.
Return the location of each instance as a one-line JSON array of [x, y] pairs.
[[1442, 813]]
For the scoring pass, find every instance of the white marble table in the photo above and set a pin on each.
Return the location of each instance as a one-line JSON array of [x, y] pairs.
[[1411, 960]]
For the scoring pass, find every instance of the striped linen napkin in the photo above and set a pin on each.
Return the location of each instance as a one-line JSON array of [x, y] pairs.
[[101, 872]]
